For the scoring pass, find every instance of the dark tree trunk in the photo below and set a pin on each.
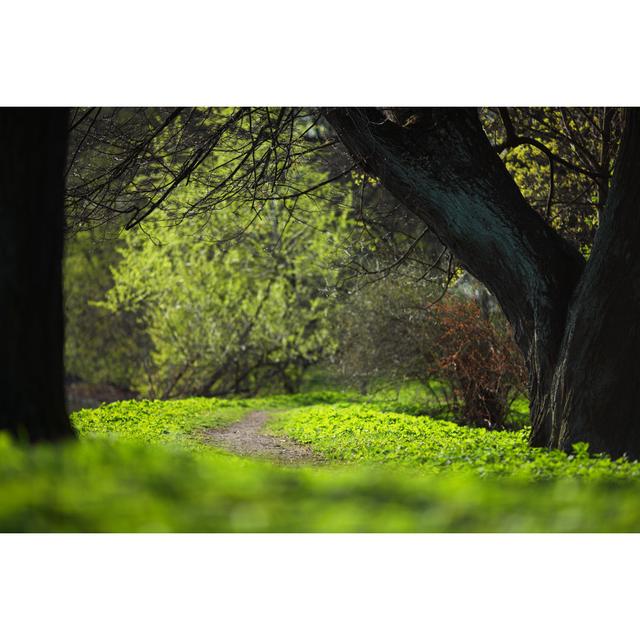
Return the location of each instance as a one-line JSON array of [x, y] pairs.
[[596, 389], [576, 328], [32, 155]]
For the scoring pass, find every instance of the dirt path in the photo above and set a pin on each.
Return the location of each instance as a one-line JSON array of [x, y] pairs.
[[247, 438]]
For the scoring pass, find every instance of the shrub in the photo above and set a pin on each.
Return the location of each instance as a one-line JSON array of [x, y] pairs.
[[461, 349], [477, 357]]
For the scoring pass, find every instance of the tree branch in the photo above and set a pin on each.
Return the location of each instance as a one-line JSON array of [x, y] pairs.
[[513, 140]]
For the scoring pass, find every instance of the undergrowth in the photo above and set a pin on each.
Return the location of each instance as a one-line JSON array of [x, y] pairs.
[[362, 434], [139, 466]]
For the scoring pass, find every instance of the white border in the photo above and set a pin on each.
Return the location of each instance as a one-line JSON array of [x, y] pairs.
[[318, 586], [284, 52]]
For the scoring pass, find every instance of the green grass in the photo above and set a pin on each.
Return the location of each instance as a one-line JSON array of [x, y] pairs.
[[139, 466]]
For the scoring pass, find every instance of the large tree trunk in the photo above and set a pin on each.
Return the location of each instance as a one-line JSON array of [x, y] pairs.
[[596, 389], [577, 328], [32, 156]]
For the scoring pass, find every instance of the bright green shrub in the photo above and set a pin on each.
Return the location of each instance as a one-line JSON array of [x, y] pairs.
[[231, 316]]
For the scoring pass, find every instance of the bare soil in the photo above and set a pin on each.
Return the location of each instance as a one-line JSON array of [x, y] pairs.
[[247, 438]]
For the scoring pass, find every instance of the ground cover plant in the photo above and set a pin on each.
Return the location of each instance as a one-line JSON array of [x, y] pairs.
[[362, 433], [142, 466]]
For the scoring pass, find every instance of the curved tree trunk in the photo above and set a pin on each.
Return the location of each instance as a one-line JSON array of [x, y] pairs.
[[33, 155], [576, 327]]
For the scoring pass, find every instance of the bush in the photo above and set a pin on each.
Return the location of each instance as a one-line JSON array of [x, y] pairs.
[[477, 357], [460, 349], [384, 337]]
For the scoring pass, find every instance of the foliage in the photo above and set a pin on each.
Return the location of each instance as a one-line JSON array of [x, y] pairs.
[[383, 336], [478, 358], [397, 330], [154, 421], [100, 347], [176, 421], [138, 467], [127, 163], [360, 433], [136, 161], [119, 487], [228, 316], [583, 142]]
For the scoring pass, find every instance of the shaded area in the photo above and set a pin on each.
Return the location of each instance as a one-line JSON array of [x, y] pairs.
[[85, 395]]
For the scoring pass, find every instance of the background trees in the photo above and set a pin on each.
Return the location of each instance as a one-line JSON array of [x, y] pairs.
[[233, 317]]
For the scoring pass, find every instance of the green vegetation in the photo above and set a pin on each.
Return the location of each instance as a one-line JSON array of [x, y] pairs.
[[139, 466], [236, 301], [246, 295], [157, 422], [359, 433], [227, 318]]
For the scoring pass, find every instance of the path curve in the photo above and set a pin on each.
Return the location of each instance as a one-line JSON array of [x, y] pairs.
[[247, 438]]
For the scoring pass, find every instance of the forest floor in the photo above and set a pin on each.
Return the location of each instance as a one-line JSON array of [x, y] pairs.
[[248, 437]]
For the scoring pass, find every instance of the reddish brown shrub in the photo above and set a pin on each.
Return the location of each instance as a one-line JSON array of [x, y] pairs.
[[478, 359]]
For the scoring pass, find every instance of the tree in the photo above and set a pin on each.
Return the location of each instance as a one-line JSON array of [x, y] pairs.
[[573, 321], [100, 348], [34, 146], [231, 317]]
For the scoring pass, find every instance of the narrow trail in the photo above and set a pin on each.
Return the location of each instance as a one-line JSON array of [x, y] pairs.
[[247, 438]]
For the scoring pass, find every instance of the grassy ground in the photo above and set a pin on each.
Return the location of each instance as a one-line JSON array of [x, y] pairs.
[[139, 466], [362, 433]]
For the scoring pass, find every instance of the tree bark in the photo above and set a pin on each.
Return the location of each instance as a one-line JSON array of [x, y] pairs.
[[33, 156], [597, 381]]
